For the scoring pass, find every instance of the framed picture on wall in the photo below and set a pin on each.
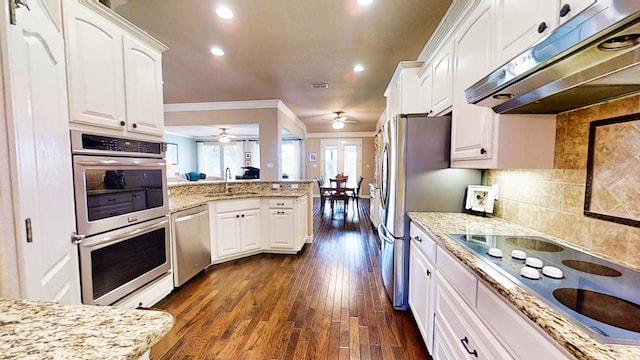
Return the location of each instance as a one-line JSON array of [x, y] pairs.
[[247, 163], [247, 155], [313, 157], [172, 153]]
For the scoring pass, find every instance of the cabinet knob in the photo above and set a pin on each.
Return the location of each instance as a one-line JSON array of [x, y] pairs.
[[237, 215], [417, 238], [134, 125], [542, 27], [428, 272], [122, 123], [242, 215], [483, 151], [566, 8], [465, 342]]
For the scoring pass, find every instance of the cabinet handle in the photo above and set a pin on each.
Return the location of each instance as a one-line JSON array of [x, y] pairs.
[[428, 272], [417, 238], [483, 151], [134, 125], [465, 342], [122, 123], [566, 8], [542, 27]]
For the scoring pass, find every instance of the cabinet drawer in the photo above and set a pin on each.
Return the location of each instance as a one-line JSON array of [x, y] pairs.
[[423, 241], [459, 323], [517, 333], [281, 203], [237, 205], [462, 279]]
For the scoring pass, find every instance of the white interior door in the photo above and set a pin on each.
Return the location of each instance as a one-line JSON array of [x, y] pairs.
[[341, 156], [42, 187]]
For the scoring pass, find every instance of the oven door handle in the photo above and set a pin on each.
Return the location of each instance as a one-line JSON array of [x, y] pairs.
[[145, 162], [108, 240]]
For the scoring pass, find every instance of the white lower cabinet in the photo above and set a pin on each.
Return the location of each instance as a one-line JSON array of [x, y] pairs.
[[236, 225], [287, 223], [461, 333]]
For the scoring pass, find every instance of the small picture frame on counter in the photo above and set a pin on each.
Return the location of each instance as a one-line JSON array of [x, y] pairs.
[[313, 157]]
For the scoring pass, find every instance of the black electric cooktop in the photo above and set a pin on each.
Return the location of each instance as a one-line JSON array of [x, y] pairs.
[[599, 295]]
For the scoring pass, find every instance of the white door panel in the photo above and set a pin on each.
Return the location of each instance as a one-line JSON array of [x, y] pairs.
[[42, 179]]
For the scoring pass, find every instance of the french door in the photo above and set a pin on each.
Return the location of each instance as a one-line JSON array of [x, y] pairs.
[[341, 156]]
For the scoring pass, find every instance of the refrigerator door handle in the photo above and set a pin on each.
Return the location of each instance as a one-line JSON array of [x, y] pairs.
[[384, 234]]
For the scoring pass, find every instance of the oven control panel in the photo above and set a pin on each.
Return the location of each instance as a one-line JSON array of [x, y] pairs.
[[108, 143]]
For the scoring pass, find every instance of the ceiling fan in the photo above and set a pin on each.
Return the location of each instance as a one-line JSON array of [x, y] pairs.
[[224, 137], [340, 120]]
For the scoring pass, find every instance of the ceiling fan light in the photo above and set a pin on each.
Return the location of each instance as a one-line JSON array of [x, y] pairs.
[[224, 139], [337, 124]]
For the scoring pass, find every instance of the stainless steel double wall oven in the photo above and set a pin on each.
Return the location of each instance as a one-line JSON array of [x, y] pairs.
[[121, 214]]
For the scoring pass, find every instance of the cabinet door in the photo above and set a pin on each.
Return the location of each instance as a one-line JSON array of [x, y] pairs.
[[570, 8], [96, 68], [38, 131], [250, 230], [143, 88], [281, 228], [442, 70], [472, 126], [227, 233], [425, 91], [520, 24], [421, 273]]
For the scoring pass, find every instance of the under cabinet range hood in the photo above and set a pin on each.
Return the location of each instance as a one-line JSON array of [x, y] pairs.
[[593, 57]]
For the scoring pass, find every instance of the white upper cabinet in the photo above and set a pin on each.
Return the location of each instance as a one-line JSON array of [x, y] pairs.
[[114, 72], [442, 70], [472, 125], [566, 9], [425, 89], [143, 86], [481, 139], [520, 24], [402, 92], [96, 68]]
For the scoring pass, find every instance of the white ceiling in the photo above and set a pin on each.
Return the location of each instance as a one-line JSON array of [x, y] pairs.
[[276, 48]]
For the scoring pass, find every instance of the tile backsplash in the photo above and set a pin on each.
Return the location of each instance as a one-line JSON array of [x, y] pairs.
[[552, 201]]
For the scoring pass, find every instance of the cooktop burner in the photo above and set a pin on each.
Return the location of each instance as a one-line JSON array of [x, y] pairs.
[[602, 307], [592, 268], [599, 295], [533, 243]]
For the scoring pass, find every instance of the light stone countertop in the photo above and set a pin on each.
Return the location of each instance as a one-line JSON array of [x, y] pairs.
[[48, 330], [187, 195], [569, 336]]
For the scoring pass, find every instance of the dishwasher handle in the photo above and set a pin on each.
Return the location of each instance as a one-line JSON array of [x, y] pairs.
[[189, 217]]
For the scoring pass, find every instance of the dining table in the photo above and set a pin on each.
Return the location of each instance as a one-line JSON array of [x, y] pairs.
[[345, 185]]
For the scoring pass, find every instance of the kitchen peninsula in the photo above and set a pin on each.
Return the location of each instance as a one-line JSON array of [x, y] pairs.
[[248, 217], [47, 330], [526, 325]]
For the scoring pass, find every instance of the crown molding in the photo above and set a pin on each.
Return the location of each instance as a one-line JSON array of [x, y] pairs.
[[223, 105], [341, 134]]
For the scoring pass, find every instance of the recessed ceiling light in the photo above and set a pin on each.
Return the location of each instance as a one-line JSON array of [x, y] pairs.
[[358, 68], [365, 2], [216, 51], [224, 12]]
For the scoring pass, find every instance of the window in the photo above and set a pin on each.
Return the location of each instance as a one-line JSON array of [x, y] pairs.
[[214, 158], [291, 158]]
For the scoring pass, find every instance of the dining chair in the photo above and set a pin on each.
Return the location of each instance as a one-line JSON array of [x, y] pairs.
[[355, 194], [338, 194], [324, 193]]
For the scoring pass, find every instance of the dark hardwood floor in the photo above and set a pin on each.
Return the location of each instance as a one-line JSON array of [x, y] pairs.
[[327, 302]]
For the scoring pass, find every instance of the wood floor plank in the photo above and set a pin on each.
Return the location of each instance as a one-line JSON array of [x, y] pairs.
[[327, 302]]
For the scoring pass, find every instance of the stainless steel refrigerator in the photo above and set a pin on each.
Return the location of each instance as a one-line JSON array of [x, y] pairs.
[[415, 176]]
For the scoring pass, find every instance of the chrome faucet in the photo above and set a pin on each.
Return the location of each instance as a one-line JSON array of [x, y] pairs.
[[227, 175]]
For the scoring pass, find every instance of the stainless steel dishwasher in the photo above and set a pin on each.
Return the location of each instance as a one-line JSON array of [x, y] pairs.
[[190, 243]]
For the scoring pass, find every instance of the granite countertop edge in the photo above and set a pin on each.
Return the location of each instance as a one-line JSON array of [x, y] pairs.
[[183, 202], [569, 336], [50, 330]]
